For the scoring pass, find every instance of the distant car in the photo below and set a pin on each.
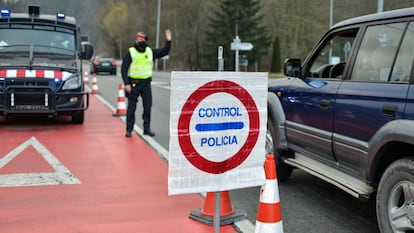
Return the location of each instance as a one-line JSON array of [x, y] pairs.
[[103, 64]]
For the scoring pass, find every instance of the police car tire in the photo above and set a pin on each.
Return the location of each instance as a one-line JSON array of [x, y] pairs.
[[396, 181], [78, 117]]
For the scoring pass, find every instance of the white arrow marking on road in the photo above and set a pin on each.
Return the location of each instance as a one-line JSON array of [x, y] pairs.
[[61, 175]]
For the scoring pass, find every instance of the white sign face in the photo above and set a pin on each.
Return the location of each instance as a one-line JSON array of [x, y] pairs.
[[246, 46], [217, 131]]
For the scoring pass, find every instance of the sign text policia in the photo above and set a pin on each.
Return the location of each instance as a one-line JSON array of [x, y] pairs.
[[219, 112], [217, 127]]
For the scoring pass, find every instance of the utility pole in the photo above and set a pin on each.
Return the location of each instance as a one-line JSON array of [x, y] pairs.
[[157, 42], [380, 6], [331, 13]]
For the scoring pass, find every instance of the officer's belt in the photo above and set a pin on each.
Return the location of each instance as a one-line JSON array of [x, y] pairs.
[[138, 81]]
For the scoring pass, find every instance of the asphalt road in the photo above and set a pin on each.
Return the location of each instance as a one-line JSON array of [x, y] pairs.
[[308, 204]]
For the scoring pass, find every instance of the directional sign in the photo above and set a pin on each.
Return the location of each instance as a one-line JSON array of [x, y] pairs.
[[246, 46], [217, 131]]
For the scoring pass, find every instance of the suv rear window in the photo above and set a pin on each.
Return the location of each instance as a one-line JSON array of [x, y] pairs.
[[405, 58], [376, 55]]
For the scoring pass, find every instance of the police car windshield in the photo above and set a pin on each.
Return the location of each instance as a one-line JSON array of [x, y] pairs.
[[37, 48], [38, 51], [55, 41]]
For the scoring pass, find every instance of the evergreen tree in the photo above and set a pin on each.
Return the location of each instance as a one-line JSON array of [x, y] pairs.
[[235, 18], [276, 61]]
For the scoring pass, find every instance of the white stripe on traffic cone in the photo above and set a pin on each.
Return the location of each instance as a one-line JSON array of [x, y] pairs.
[[269, 217], [121, 107], [86, 77], [95, 85]]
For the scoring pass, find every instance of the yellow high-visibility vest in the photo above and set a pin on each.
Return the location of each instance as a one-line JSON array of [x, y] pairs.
[[141, 64]]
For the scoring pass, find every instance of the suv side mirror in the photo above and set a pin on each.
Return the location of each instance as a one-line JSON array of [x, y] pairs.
[[293, 67], [87, 50]]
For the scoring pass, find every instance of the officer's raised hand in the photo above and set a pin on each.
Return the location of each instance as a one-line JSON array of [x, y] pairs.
[[168, 35]]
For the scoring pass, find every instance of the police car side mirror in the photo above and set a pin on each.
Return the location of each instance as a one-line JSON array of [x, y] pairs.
[[87, 50]]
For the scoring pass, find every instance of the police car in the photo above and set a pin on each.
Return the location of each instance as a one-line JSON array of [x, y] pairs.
[[41, 65]]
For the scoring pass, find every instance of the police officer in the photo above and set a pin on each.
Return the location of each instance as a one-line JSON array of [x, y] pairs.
[[59, 41], [136, 70]]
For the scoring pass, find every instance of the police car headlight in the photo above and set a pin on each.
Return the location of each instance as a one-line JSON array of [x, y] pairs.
[[72, 83]]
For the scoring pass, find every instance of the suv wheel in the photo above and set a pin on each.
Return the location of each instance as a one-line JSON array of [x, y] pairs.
[[395, 197], [283, 170]]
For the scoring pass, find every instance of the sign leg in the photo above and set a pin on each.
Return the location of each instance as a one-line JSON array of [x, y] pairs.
[[216, 220]]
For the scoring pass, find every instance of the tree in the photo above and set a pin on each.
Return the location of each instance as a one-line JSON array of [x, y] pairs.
[[187, 26], [233, 18], [276, 61], [116, 16]]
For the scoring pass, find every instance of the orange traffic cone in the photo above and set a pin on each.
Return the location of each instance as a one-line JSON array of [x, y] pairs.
[[95, 85], [86, 77], [225, 205], [269, 217], [121, 108], [227, 214]]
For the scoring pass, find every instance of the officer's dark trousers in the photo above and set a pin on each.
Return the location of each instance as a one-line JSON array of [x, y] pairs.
[[139, 88]]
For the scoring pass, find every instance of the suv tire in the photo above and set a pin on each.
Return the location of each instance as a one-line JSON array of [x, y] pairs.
[[283, 170], [395, 197]]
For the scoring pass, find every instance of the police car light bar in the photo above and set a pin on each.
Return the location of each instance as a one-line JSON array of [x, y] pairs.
[[60, 16], [5, 13]]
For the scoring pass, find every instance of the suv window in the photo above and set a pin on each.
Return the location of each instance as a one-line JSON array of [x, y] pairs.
[[402, 68], [332, 57], [377, 52]]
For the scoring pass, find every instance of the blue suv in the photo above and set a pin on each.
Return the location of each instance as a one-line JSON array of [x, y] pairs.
[[346, 114]]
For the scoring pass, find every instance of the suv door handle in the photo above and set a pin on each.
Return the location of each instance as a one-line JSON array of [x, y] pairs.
[[389, 110], [324, 104]]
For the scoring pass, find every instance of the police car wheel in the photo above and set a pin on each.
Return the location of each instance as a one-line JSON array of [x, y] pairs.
[[78, 117]]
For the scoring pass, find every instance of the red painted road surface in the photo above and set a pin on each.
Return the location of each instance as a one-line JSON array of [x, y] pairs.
[[101, 181]]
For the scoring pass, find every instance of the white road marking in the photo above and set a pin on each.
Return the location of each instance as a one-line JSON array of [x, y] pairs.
[[61, 175], [164, 85]]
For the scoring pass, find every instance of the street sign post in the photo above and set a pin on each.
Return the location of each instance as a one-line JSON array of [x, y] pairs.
[[220, 58], [237, 46]]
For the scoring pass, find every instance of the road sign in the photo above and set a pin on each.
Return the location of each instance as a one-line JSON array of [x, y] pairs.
[[245, 46], [189, 108], [217, 127]]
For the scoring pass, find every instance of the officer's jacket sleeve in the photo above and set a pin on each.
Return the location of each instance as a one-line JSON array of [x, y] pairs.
[[126, 62], [161, 52]]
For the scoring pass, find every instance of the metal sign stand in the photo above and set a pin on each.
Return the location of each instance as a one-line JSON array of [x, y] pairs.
[[211, 213], [216, 219]]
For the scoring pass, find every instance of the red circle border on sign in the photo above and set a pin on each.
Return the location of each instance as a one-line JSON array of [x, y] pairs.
[[184, 137]]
